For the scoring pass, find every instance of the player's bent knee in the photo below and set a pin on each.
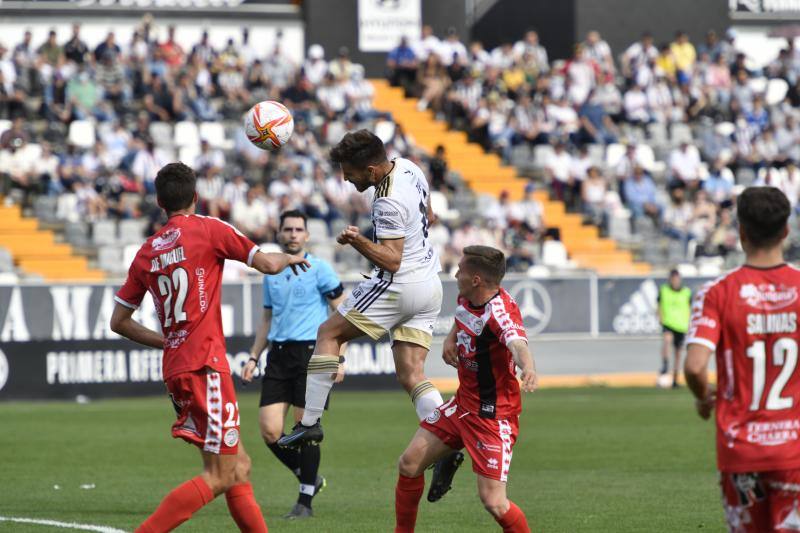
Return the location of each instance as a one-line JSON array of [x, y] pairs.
[[270, 435], [408, 465], [243, 466], [496, 505]]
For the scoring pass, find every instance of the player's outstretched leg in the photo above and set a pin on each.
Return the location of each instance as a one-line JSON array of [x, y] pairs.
[[240, 498], [504, 511], [322, 368], [409, 362], [178, 506], [423, 450]]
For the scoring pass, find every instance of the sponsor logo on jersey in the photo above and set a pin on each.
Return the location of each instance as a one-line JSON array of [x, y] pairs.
[[767, 296], [773, 433], [705, 322], [231, 437], [3, 370], [470, 322], [534, 304], [433, 417], [637, 316], [166, 240], [492, 463], [176, 338], [488, 447], [201, 289], [792, 520]]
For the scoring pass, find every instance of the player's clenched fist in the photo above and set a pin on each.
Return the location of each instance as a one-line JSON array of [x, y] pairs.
[[348, 235], [530, 381]]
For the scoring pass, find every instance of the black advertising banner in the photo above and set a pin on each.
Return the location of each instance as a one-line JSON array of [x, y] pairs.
[[116, 368]]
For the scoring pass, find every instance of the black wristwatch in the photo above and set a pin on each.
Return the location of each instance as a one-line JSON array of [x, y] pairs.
[[254, 359], [341, 359]]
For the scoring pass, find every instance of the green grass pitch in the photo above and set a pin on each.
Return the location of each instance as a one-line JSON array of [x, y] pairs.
[[594, 460]]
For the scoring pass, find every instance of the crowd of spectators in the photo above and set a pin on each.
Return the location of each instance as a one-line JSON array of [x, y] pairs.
[[133, 94], [690, 124]]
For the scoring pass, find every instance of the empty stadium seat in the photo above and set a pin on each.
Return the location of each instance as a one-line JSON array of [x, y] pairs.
[[82, 134], [440, 206], [214, 133], [129, 254], [77, 233], [186, 134], [161, 132], [188, 154], [317, 230], [6, 261], [109, 258], [104, 232], [131, 231], [554, 254]]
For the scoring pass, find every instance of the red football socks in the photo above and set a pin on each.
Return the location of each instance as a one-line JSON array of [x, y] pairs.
[[514, 520], [406, 501], [244, 509], [178, 506]]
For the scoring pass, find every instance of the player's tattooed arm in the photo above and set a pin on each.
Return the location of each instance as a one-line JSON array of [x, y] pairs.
[[524, 361], [122, 323], [695, 369], [386, 254], [273, 263]]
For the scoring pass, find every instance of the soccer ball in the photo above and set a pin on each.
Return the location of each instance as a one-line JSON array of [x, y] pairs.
[[664, 381], [268, 125]]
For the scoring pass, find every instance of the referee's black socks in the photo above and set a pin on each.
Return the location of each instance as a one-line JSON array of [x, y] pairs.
[[288, 456], [309, 468]]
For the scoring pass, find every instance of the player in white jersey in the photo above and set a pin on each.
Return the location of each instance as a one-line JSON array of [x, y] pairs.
[[403, 296]]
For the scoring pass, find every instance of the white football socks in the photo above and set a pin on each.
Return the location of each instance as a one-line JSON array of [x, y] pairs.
[[318, 386], [426, 398]]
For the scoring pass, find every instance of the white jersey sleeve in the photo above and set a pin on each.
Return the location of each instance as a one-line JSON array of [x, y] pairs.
[[400, 210]]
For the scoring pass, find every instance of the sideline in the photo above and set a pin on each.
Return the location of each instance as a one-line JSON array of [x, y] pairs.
[[620, 379], [67, 525]]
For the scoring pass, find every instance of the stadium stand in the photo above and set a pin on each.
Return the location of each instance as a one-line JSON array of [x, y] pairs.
[[634, 157]]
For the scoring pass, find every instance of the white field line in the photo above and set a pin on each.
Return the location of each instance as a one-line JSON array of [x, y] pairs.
[[66, 525]]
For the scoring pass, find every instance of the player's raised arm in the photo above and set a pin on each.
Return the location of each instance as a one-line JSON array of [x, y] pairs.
[[122, 323], [275, 262]]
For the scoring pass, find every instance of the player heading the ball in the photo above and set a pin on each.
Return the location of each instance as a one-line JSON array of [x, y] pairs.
[[181, 267]]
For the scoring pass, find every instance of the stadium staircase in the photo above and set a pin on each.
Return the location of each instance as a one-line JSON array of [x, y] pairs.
[[37, 253], [486, 174]]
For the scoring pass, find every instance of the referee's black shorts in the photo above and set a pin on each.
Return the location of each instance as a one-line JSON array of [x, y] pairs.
[[285, 374]]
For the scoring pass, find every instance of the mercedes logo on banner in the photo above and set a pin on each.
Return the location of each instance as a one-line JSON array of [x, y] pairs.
[[3, 370], [534, 304]]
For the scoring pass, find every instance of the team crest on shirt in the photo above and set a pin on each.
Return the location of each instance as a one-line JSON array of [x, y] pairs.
[[231, 437], [768, 296], [167, 240]]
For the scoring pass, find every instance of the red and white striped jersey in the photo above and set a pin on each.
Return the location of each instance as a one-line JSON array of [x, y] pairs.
[[749, 319], [487, 378], [181, 268]]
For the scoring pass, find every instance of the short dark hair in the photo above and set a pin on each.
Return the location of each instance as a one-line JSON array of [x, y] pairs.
[[489, 262], [763, 213], [293, 213], [359, 148], [175, 187]]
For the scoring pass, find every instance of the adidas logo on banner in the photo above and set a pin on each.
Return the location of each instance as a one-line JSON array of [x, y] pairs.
[[638, 315]]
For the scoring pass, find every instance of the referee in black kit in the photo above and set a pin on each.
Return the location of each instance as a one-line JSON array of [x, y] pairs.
[[294, 308]]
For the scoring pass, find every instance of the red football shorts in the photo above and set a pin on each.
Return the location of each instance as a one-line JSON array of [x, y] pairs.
[[208, 413], [761, 502], [488, 441]]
